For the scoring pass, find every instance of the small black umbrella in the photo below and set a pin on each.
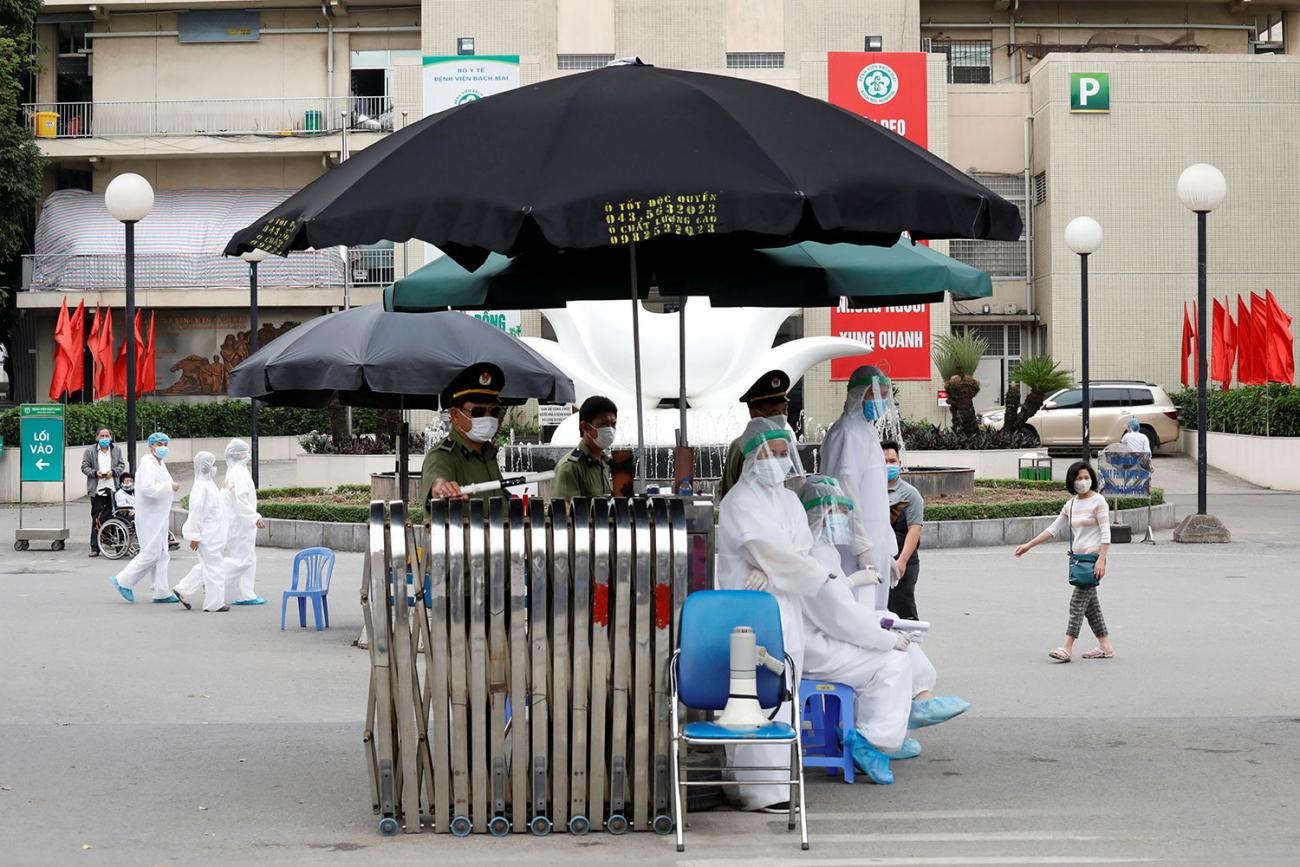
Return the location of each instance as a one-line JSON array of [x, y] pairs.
[[635, 155], [368, 357]]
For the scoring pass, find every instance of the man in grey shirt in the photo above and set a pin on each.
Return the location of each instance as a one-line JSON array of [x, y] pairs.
[[907, 515], [102, 465]]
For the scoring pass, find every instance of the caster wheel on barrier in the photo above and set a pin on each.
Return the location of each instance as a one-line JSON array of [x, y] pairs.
[[461, 826], [616, 824], [21, 545], [56, 545], [579, 825], [499, 826], [540, 826], [663, 824], [388, 826]]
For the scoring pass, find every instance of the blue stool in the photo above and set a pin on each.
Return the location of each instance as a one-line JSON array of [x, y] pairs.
[[826, 707]]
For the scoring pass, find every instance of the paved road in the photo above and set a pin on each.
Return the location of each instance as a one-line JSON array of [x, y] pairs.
[[159, 736]]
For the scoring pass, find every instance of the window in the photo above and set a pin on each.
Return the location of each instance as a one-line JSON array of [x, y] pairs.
[[1001, 357], [1108, 398], [582, 61], [1070, 399], [969, 62], [755, 59], [997, 258], [1140, 397]]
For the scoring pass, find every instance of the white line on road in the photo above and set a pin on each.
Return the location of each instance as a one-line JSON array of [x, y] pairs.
[[896, 815], [949, 837], [917, 862]]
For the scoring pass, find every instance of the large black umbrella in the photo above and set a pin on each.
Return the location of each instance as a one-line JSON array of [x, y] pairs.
[[635, 155], [368, 357]]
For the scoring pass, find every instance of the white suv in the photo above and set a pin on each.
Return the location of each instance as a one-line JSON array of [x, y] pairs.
[[1114, 402]]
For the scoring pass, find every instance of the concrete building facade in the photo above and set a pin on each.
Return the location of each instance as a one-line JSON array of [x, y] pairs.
[[1190, 82]]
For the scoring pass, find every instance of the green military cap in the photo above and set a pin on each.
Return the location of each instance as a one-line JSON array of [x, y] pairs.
[[772, 385], [479, 382]]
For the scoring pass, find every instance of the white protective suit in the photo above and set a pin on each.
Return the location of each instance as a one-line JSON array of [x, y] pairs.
[[843, 640], [205, 524], [763, 539], [239, 571], [851, 453], [153, 506]]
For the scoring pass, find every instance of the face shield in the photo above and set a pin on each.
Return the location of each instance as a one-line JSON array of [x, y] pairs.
[[870, 389], [205, 464], [236, 452], [830, 511], [770, 453]]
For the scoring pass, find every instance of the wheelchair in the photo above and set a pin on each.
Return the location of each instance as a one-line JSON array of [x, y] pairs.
[[117, 536]]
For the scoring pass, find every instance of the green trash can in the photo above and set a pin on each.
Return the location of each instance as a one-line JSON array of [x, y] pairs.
[[313, 121]]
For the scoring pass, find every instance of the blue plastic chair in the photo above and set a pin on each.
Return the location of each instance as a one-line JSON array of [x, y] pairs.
[[701, 679], [314, 568], [826, 706]]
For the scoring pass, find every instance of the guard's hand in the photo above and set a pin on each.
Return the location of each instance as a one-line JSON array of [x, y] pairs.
[[194, 545], [895, 573], [176, 486], [902, 642], [757, 581], [445, 489], [864, 577]]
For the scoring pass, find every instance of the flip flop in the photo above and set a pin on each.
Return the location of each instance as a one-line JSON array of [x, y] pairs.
[[1098, 653], [1060, 655]]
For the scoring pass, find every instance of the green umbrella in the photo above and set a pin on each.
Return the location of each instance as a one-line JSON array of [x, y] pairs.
[[804, 275]]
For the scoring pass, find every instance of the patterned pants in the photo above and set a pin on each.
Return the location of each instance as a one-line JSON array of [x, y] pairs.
[[1084, 604]]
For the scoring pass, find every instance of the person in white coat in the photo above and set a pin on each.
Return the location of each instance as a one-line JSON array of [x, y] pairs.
[[205, 530], [154, 489], [240, 565]]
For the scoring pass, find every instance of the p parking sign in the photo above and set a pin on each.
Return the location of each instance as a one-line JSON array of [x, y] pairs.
[[1089, 92]]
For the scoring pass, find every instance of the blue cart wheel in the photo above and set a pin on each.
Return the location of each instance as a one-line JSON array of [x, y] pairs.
[[499, 826], [663, 824], [579, 825], [541, 826], [461, 826], [616, 824], [388, 826]]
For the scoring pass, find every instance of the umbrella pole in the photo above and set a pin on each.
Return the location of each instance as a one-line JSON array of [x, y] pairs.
[[403, 454], [682, 439], [638, 484]]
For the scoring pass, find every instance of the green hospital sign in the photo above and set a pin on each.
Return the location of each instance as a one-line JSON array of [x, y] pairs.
[[42, 442], [1089, 92]]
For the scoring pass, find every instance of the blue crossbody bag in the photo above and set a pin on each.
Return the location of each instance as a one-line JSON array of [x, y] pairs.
[[1081, 565]]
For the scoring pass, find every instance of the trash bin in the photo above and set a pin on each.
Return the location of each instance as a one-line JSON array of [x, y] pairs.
[[313, 121], [47, 124], [1034, 466]]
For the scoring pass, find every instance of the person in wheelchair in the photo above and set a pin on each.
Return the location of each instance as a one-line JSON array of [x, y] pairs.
[[124, 497]]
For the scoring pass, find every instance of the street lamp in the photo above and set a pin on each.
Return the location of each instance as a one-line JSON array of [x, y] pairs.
[[1201, 188], [129, 198], [1083, 236], [252, 257]]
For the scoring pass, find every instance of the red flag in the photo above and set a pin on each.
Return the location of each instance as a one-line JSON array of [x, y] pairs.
[[148, 375], [1186, 345], [102, 352], [62, 352], [77, 372], [1245, 344], [1256, 340], [1281, 346], [119, 366], [1218, 349], [1229, 344]]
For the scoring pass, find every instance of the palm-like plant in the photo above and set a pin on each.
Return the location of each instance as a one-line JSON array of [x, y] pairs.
[[1042, 376], [957, 357]]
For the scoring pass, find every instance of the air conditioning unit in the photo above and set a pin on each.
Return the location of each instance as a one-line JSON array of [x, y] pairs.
[[1010, 309]]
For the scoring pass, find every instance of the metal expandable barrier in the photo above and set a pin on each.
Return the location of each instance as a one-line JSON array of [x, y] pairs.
[[519, 664]]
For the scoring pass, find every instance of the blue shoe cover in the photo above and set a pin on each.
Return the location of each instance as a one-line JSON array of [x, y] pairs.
[[256, 600], [910, 749], [171, 598], [933, 711], [127, 593], [869, 760]]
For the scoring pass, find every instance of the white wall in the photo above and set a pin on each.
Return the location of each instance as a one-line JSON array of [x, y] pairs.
[[1270, 462]]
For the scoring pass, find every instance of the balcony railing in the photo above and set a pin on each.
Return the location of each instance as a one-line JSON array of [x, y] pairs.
[[293, 116], [322, 269]]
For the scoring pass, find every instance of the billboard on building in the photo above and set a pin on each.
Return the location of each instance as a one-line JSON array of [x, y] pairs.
[[889, 88]]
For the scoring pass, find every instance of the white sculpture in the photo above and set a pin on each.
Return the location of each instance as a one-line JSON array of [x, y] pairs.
[[727, 348]]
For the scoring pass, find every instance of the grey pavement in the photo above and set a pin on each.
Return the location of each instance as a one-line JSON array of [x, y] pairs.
[[159, 736]]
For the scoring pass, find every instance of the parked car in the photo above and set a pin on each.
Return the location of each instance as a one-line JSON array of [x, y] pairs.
[[1114, 402]]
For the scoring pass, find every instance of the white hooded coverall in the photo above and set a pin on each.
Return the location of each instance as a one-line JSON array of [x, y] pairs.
[[153, 506], [240, 566], [205, 524]]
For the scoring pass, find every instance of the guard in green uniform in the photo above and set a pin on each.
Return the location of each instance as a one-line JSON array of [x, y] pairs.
[[467, 456], [766, 398], [584, 472]]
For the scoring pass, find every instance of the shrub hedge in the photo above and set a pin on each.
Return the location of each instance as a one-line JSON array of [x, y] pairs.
[[1256, 410], [219, 418], [1024, 509], [328, 513], [924, 435]]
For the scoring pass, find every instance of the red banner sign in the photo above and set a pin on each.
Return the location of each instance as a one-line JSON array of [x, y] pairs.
[[889, 88]]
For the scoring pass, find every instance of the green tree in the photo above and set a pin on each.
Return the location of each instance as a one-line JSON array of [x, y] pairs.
[[957, 357], [1042, 376]]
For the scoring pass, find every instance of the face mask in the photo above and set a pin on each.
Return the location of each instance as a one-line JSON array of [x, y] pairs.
[[837, 529], [605, 437], [773, 471], [103, 444], [160, 452], [779, 420], [483, 429], [128, 487], [1082, 485], [874, 409], [892, 471]]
